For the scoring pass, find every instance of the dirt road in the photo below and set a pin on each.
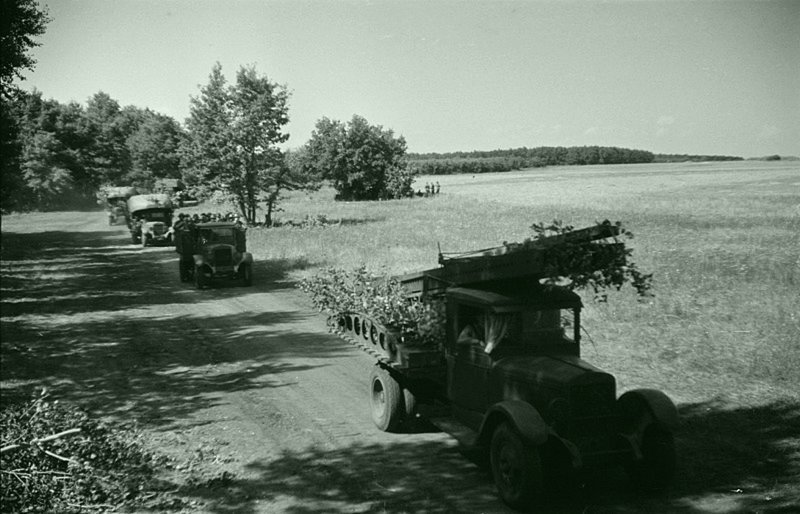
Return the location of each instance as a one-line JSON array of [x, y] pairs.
[[265, 409]]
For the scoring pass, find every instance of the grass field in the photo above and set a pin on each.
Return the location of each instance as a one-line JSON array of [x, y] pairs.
[[722, 239]]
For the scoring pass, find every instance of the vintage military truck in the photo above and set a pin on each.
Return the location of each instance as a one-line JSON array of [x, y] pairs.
[[215, 250], [150, 219], [510, 377], [116, 203]]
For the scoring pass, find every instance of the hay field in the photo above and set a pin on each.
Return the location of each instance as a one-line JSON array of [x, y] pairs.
[[723, 240]]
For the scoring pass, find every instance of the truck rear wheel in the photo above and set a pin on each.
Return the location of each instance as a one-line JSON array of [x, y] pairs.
[[386, 400], [516, 468]]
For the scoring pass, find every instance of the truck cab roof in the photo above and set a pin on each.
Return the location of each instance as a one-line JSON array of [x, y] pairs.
[[147, 202]]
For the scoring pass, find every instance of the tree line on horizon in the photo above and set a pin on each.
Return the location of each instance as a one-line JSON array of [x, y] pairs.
[[522, 158]]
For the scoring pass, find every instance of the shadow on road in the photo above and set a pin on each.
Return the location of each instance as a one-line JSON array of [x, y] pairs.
[[104, 323], [741, 447]]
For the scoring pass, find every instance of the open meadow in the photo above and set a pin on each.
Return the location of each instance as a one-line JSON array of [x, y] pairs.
[[722, 334], [722, 239]]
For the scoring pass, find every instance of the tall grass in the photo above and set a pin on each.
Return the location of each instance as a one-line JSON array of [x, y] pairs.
[[723, 241]]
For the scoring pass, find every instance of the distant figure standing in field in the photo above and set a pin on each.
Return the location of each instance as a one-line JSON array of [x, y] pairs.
[[437, 187], [427, 189]]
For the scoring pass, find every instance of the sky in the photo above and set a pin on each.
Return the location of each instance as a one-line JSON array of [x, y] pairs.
[[687, 77]]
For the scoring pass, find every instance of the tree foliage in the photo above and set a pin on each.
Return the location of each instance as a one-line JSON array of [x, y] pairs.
[[21, 21], [585, 265], [66, 152], [363, 161], [232, 146]]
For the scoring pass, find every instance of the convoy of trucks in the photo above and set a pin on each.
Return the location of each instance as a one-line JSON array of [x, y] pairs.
[[508, 378]]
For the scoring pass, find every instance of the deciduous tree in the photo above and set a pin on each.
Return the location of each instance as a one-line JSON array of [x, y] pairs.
[[363, 161], [21, 22], [234, 133]]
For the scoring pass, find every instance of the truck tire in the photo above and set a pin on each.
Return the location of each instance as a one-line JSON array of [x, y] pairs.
[[247, 275], [516, 468], [386, 400], [200, 280], [656, 469], [145, 240]]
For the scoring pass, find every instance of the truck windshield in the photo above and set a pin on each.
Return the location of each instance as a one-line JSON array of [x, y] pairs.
[[154, 216], [218, 236], [529, 328], [544, 326]]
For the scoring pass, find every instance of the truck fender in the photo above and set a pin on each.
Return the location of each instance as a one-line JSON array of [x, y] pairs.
[[643, 406], [522, 416], [199, 260], [247, 257]]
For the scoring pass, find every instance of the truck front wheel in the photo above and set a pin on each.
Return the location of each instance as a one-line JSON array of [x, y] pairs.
[[516, 468], [656, 469], [386, 400], [200, 280], [184, 270], [247, 275]]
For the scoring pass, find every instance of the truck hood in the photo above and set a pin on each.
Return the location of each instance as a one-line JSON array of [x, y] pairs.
[[221, 254], [540, 379]]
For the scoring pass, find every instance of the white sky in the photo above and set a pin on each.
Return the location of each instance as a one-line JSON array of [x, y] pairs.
[[698, 77]]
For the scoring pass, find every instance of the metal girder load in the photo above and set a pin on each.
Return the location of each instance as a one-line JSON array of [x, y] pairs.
[[513, 262]]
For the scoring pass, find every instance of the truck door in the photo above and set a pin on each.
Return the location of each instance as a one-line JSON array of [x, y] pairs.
[[470, 378]]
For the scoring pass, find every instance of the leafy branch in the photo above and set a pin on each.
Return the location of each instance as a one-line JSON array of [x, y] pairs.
[[588, 265], [334, 291]]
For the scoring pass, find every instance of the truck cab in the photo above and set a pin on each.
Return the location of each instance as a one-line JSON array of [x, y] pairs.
[[214, 250]]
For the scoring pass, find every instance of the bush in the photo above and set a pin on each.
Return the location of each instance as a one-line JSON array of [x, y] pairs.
[[55, 458]]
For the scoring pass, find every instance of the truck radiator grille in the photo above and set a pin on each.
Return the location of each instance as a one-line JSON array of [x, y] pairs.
[[159, 229], [223, 257], [591, 400]]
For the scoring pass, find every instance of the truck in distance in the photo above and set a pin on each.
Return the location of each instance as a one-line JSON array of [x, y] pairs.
[[116, 203], [150, 219], [214, 250]]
